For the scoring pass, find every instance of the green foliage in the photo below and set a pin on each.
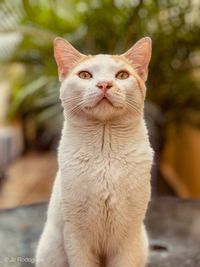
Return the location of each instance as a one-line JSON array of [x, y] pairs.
[[106, 26]]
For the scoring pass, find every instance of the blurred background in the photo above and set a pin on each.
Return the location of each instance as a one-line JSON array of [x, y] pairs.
[[30, 110]]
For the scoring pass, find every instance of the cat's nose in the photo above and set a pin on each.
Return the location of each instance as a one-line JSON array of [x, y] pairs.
[[104, 86]]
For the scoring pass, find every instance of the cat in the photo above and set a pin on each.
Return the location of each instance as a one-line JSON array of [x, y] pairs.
[[102, 188]]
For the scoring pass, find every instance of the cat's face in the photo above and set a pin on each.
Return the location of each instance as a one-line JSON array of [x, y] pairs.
[[102, 87]]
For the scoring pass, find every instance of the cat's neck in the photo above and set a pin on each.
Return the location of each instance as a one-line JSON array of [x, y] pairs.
[[105, 136]]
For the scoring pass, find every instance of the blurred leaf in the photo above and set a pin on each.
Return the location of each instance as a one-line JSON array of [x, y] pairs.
[[28, 91]]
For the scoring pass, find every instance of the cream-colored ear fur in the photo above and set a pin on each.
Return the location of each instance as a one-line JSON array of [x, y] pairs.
[[139, 56], [66, 56]]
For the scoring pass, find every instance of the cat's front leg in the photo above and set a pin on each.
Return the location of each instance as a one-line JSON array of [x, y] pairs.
[[50, 251], [133, 253], [78, 249]]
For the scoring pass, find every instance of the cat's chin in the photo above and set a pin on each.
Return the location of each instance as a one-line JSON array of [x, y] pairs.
[[104, 110], [104, 102]]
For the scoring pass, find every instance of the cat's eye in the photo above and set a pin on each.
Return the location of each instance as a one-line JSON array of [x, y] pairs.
[[85, 75], [122, 75]]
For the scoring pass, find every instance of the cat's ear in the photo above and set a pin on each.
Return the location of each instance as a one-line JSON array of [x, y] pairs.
[[139, 56], [66, 56]]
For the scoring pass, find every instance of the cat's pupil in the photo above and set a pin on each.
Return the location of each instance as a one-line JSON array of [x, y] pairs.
[[85, 75], [122, 75]]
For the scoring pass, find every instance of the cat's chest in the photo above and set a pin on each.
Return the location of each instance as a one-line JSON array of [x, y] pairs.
[[105, 187], [97, 164], [102, 174]]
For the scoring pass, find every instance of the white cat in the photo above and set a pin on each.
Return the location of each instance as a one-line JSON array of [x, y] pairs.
[[102, 189]]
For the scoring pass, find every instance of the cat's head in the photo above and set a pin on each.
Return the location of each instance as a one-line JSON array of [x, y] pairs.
[[103, 87]]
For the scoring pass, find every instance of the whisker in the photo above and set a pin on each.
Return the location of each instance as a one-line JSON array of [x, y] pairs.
[[132, 101], [74, 111], [135, 108], [70, 100]]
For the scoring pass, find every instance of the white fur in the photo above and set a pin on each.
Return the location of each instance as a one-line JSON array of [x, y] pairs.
[[102, 188]]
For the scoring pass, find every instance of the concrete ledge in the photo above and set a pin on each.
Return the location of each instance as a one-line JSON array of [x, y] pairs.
[[173, 225]]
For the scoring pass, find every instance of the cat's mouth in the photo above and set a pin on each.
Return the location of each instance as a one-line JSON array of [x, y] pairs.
[[104, 100]]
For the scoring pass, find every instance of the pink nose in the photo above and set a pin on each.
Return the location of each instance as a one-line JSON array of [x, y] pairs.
[[104, 86]]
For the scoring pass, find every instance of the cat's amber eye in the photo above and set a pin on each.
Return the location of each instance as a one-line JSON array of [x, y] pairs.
[[122, 75], [85, 75]]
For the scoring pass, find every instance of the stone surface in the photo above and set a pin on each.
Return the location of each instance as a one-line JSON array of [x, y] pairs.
[[173, 226], [174, 229]]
